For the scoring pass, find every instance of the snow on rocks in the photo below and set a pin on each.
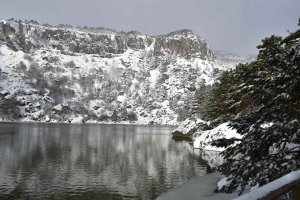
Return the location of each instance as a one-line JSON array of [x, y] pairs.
[[47, 118], [78, 119], [8, 96], [188, 127], [4, 92], [58, 107], [205, 138], [48, 99]]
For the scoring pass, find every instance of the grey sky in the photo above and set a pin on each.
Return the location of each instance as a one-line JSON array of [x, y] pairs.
[[229, 25]]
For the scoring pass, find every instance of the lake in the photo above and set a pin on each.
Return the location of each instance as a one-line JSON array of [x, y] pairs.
[[92, 161]]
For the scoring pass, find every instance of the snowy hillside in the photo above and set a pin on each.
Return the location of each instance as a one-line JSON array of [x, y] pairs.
[[97, 75]]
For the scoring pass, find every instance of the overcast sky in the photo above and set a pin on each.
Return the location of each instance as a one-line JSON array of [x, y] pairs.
[[230, 25]]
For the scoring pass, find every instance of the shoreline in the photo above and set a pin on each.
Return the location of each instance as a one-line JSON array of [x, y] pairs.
[[89, 123], [202, 187]]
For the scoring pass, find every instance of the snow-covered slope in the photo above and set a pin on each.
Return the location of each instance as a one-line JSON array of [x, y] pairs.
[[98, 75]]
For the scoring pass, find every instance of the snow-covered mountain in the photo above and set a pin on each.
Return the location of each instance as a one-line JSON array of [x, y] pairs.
[[68, 74]]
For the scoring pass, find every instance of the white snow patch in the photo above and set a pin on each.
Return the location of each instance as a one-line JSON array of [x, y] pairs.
[[154, 74], [78, 119], [223, 182], [121, 98], [58, 107], [206, 137]]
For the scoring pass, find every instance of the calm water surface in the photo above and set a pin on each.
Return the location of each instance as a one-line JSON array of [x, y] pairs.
[[63, 161]]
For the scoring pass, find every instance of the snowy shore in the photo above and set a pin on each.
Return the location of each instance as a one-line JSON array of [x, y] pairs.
[[198, 188]]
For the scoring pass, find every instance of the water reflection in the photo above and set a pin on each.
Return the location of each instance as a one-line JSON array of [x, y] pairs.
[[62, 161]]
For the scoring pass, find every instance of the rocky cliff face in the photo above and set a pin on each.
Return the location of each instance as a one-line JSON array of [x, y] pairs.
[[183, 43], [26, 37], [65, 74]]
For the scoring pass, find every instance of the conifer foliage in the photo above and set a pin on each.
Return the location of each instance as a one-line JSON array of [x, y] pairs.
[[264, 98]]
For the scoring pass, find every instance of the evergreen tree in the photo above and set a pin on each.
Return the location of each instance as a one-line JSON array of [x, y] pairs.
[[270, 89], [217, 104], [115, 117], [132, 116], [198, 101]]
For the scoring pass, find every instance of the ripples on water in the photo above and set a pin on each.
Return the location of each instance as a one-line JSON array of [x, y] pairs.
[[63, 161]]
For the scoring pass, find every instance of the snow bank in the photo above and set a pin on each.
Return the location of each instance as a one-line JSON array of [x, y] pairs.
[[206, 137]]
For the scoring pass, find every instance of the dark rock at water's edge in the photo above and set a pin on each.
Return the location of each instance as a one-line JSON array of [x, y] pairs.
[[178, 136]]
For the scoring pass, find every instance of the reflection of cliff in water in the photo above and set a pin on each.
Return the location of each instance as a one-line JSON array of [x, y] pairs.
[[92, 161]]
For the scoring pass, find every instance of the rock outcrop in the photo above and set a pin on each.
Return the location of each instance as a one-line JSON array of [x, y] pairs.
[[183, 43], [24, 36]]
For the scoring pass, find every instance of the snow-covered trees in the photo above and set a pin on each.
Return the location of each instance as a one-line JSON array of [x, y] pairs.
[[263, 102], [216, 107], [199, 100]]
